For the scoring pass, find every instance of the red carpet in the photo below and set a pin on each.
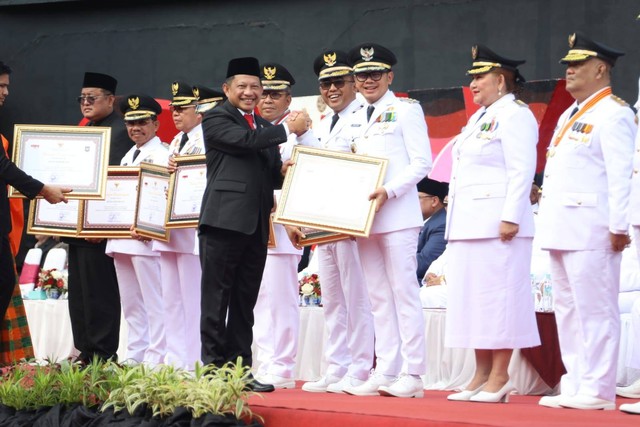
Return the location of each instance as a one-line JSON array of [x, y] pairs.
[[296, 408]]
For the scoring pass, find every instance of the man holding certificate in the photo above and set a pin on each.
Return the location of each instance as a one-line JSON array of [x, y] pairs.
[[243, 169], [394, 129]]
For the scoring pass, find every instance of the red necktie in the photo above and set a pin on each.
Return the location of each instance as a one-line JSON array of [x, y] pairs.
[[249, 119]]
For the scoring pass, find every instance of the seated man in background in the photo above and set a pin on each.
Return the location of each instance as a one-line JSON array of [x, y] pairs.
[[431, 242], [433, 293]]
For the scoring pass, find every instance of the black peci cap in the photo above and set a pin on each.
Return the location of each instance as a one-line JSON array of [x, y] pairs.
[[99, 80], [433, 188], [247, 65]]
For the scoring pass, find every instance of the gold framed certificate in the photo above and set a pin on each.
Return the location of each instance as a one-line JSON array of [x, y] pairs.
[[60, 219], [329, 190], [151, 205], [272, 242], [69, 156], [186, 188], [112, 217], [317, 237]]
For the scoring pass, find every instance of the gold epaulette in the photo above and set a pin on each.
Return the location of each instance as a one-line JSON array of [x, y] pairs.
[[521, 103], [409, 100], [619, 100]]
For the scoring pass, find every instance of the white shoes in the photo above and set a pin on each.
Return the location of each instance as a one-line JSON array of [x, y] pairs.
[[631, 391], [631, 408], [465, 395], [277, 381], [551, 401], [345, 382], [321, 385], [500, 396], [587, 402], [371, 386], [404, 386]]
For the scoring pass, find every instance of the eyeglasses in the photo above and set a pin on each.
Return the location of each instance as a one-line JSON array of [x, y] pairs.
[[274, 95], [180, 108], [338, 83], [141, 122], [374, 75], [89, 99]]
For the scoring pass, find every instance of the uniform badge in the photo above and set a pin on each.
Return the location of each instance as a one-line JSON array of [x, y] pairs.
[[474, 52], [134, 102], [196, 92], [174, 88], [354, 147], [572, 40], [367, 54], [551, 152], [330, 59], [269, 72]]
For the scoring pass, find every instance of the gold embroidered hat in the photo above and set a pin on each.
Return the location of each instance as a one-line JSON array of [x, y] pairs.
[[485, 60], [582, 48], [332, 63], [137, 107], [207, 98], [368, 57], [275, 77], [182, 94]]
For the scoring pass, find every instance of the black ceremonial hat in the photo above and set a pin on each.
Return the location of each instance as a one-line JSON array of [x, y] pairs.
[[275, 77], [485, 60], [247, 65], [433, 187], [332, 63], [136, 107], [182, 94], [369, 57], [102, 81], [582, 48], [207, 98]]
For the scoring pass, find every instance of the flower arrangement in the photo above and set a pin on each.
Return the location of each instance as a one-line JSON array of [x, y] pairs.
[[310, 291], [53, 280]]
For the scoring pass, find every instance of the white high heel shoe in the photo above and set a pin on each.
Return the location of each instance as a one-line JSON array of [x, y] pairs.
[[500, 396], [465, 395]]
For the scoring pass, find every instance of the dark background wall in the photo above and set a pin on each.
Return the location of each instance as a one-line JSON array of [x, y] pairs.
[[148, 44]]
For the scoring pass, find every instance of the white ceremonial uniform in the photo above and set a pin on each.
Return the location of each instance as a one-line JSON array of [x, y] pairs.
[[634, 220], [345, 298], [181, 275], [494, 158], [138, 272], [397, 131], [277, 315], [585, 197]]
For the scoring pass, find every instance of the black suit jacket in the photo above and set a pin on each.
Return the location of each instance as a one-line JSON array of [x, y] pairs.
[[11, 174], [431, 242], [243, 169]]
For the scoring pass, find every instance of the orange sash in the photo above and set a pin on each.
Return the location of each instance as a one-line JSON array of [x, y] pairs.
[[603, 94], [17, 215]]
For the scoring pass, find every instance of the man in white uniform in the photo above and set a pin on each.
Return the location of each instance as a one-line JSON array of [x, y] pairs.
[[583, 224], [137, 265], [396, 130], [275, 332], [345, 299]]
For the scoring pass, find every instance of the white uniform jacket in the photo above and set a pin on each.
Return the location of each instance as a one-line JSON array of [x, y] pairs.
[[154, 151], [397, 131], [493, 163], [193, 146], [586, 180], [634, 198]]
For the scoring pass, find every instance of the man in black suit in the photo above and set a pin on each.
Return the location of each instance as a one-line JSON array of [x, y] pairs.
[[431, 242], [94, 300], [12, 175], [243, 168]]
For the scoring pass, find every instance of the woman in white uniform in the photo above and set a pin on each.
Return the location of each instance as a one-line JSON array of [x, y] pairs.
[[490, 228]]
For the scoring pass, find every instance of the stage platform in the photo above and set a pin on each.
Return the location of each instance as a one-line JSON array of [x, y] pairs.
[[296, 408]]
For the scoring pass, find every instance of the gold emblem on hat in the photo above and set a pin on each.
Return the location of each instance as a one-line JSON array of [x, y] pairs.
[[174, 88], [474, 52], [269, 72], [330, 59], [572, 40], [134, 103], [367, 54], [196, 92]]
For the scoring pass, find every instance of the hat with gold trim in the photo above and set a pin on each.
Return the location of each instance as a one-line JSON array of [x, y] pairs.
[[207, 98], [182, 94], [137, 107], [275, 77], [332, 63], [485, 60], [101, 81], [369, 57], [582, 48]]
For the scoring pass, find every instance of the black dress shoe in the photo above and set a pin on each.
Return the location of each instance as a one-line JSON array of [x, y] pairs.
[[258, 387]]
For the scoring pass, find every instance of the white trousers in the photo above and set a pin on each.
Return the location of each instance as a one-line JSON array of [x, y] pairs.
[[389, 266], [347, 310], [585, 294], [277, 316], [141, 299], [634, 361], [181, 276]]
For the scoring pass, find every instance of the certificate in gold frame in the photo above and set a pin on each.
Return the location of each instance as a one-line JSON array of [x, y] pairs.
[[118, 197], [186, 188], [151, 204], [329, 190], [318, 237], [69, 156], [272, 242], [53, 220]]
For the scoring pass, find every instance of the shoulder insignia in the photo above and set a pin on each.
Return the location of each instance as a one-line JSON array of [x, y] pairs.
[[521, 103], [358, 108], [409, 100], [619, 100]]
